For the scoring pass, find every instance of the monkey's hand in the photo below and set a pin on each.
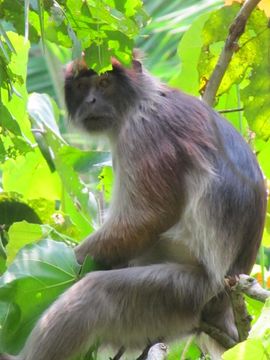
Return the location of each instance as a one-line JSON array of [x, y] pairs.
[[99, 264], [80, 255], [89, 248]]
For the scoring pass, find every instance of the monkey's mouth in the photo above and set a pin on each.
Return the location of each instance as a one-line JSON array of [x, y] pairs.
[[95, 122], [96, 118]]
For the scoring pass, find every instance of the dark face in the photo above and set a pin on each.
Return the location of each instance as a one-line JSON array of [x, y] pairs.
[[94, 101], [88, 99]]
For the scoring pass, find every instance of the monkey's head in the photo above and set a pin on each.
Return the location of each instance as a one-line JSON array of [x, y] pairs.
[[98, 103]]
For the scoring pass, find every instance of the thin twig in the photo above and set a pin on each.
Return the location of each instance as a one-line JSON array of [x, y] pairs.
[[225, 111], [235, 31], [119, 353], [143, 355], [187, 345], [251, 288]]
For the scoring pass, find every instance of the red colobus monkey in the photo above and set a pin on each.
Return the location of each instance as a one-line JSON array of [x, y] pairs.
[[188, 209]]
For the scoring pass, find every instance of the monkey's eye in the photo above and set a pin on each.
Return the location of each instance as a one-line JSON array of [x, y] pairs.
[[104, 82], [82, 86]]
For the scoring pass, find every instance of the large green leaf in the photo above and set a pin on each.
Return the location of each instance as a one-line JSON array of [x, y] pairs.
[[214, 35], [189, 52], [35, 178], [38, 275], [160, 38], [15, 135], [21, 234], [79, 25], [256, 96]]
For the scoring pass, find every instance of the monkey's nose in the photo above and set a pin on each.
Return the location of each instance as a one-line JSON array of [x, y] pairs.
[[90, 100]]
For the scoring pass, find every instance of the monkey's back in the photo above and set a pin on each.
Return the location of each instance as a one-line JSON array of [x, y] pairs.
[[223, 186], [242, 193]]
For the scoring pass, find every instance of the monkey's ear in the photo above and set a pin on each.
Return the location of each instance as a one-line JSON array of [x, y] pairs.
[[137, 60], [137, 66], [74, 67]]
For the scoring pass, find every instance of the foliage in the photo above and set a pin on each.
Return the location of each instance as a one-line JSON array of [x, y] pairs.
[[37, 276], [53, 194]]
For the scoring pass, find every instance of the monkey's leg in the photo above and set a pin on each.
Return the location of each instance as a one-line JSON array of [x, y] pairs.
[[125, 307]]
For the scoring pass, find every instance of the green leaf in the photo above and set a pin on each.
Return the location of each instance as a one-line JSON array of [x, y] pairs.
[[214, 34], [248, 350], [36, 179], [5, 53], [8, 122], [189, 52], [254, 308], [43, 112], [76, 44], [6, 38], [257, 346], [16, 106], [83, 160], [38, 275], [88, 265], [266, 233], [256, 95], [75, 188], [105, 185], [188, 347], [98, 57], [263, 158], [20, 234], [231, 100], [41, 21], [261, 329]]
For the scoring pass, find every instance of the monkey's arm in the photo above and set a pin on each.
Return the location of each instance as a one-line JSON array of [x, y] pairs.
[[121, 239], [135, 221]]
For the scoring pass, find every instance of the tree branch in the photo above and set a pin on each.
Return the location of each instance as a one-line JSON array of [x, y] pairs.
[[241, 315], [235, 31], [158, 351], [236, 286], [251, 288], [119, 354]]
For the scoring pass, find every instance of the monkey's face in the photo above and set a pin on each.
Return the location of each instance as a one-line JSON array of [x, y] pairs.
[[91, 100]]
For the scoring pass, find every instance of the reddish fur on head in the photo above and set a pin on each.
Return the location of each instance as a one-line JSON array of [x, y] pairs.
[[74, 67], [116, 63]]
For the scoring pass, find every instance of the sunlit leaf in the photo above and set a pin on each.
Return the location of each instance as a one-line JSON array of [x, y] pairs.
[[37, 276], [248, 350], [189, 51], [20, 234]]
